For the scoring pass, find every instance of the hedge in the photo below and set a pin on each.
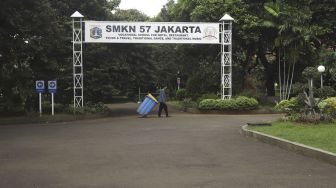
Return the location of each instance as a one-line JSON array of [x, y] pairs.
[[181, 94], [328, 106], [235, 104], [288, 106]]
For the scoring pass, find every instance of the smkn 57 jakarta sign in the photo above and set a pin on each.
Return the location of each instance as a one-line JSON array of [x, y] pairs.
[[151, 32]]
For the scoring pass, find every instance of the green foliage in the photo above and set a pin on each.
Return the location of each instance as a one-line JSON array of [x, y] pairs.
[[240, 103], [298, 109], [208, 104], [130, 15], [325, 92], [181, 94], [246, 103], [203, 81], [207, 96], [251, 94], [288, 106], [310, 73], [299, 88], [90, 108], [188, 103], [320, 136], [328, 106]]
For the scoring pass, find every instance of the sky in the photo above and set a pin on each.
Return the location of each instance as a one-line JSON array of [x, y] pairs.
[[149, 7]]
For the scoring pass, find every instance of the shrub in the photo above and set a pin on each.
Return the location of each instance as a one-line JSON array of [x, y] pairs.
[[89, 108], [328, 106], [207, 96], [325, 92], [208, 104], [226, 105], [235, 104], [181, 94], [288, 106], [246, 103], [188, 103], [251, 94], [298, 88], [310, 73]]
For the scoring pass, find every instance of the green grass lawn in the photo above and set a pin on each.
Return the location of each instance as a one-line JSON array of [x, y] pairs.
[[321, 136]]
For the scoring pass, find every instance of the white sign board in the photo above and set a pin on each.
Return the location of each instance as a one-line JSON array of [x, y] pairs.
[[151, 32]]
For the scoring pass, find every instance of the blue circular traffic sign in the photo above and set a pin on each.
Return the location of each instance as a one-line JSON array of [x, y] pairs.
[[52, 85], [39, 86]]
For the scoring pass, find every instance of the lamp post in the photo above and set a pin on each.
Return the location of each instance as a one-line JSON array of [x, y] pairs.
[[321, 69], [178, 80]]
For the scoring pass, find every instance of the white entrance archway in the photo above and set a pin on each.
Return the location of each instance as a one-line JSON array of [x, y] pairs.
[[151, 32]]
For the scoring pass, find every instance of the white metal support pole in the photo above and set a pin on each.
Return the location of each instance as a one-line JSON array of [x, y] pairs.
[[52, 104], [77, 56], [40, 103], [139, 100], [226, 57]]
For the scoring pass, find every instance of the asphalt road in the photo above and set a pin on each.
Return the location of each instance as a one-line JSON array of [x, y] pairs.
[[185, 150]]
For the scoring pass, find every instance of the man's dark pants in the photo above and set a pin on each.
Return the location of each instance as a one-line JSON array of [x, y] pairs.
[[163, 106]]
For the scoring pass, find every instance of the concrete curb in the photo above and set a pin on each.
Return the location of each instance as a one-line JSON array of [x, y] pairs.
[[291, 146]]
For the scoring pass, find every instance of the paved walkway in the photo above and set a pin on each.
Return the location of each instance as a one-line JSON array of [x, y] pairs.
[[184, 150]]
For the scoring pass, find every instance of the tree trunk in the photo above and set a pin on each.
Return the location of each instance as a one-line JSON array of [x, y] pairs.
[[270, 69], [269, 74]]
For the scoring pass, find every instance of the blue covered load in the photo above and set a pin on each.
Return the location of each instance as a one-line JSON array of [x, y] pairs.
[[147, 105]]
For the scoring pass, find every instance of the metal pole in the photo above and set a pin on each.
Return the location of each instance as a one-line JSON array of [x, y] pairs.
[[77, 46], [226, 59], [139, 95], [52, 104], [73, 62], [40, 103], [81, 49], [321, 80], [222, 62], [178, 83]]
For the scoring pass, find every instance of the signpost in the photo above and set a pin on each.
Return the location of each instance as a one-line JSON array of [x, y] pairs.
[[52, 88], [40, 89], [178, 83]]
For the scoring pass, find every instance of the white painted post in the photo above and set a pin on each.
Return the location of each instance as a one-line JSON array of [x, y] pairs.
[[52, 104], [40, 103], [139, 100]]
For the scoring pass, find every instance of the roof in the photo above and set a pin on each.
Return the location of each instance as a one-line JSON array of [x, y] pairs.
[[77, 15], [226, 17]]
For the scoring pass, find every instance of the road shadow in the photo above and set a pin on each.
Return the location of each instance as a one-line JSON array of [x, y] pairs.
[[130, 109]]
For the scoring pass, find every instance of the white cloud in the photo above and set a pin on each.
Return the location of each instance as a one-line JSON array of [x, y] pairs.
[[149, 7]]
